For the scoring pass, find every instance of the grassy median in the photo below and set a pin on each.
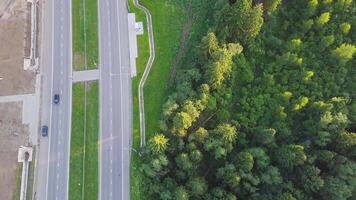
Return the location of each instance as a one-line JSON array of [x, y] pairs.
[[91, 184], [77, 142], [85, 23], [84, 142], [84, 165]]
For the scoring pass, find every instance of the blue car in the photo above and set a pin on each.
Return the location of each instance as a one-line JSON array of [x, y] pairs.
[[56, 99], [44, 131]]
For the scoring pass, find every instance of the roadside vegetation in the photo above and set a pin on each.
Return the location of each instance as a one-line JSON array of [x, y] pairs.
[[91, 174], [85, 32], [262, 107], [168, 44], [84, 142], [85, 107], [77, 142], [136, 175]]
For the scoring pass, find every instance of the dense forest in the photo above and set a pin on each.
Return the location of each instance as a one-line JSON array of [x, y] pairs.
[[266, 110]]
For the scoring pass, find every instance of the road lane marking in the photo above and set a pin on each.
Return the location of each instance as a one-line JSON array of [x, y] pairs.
[[110, 91], [51, 105], [121, 106], [70, 98]]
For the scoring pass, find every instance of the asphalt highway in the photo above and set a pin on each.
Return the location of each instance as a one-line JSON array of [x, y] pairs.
[[115, 101], [57, 51]]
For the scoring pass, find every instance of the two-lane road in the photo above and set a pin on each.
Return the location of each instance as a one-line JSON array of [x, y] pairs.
[[58, 165], [115, 101], [53, 168]]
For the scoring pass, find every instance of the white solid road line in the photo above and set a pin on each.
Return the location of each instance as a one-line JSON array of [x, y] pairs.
[[99, 101], [121, 106], [70, 93], [51, 107], [110, 92]]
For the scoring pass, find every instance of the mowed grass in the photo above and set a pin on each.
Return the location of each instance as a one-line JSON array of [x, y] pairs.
[[87, 148], [136, 177], [91, 29], [77, 143], [168, 18], [91, 143], [85, 34]]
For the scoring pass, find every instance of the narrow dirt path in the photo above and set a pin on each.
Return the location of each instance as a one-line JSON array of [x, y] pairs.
[[183, 42], [146, 72]]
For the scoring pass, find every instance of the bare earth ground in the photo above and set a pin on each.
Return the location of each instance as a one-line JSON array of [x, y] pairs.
[[13, 79], [12, 134]]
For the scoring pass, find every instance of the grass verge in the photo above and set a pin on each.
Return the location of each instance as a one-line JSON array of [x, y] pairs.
[[85, 116], [84, 149], [85, 11], [166, 15], [77, 143], [91, 143]]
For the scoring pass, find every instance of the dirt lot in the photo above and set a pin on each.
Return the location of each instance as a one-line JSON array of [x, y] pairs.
[[12, 134], [13, 79]]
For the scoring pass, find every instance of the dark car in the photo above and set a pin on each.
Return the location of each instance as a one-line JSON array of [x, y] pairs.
[[56, 99], [44, 130]]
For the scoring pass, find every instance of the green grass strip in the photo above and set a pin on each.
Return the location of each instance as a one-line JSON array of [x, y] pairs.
[[77, 143], [91, 165], [91, 143], [91, 30]]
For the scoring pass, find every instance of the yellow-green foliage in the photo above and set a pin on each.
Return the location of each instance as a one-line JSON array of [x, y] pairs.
[[308, 75], [301, 103], [324, 18], [159, 143], [313, 3], [296, 42], [328, 1], [345, 52], [287, 95], [345, 28]]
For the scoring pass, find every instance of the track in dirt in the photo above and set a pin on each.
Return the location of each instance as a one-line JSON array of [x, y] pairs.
[[183, 42]]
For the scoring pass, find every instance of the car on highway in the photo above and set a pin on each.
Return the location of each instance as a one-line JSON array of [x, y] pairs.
[[56, 99], [44, 130]]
